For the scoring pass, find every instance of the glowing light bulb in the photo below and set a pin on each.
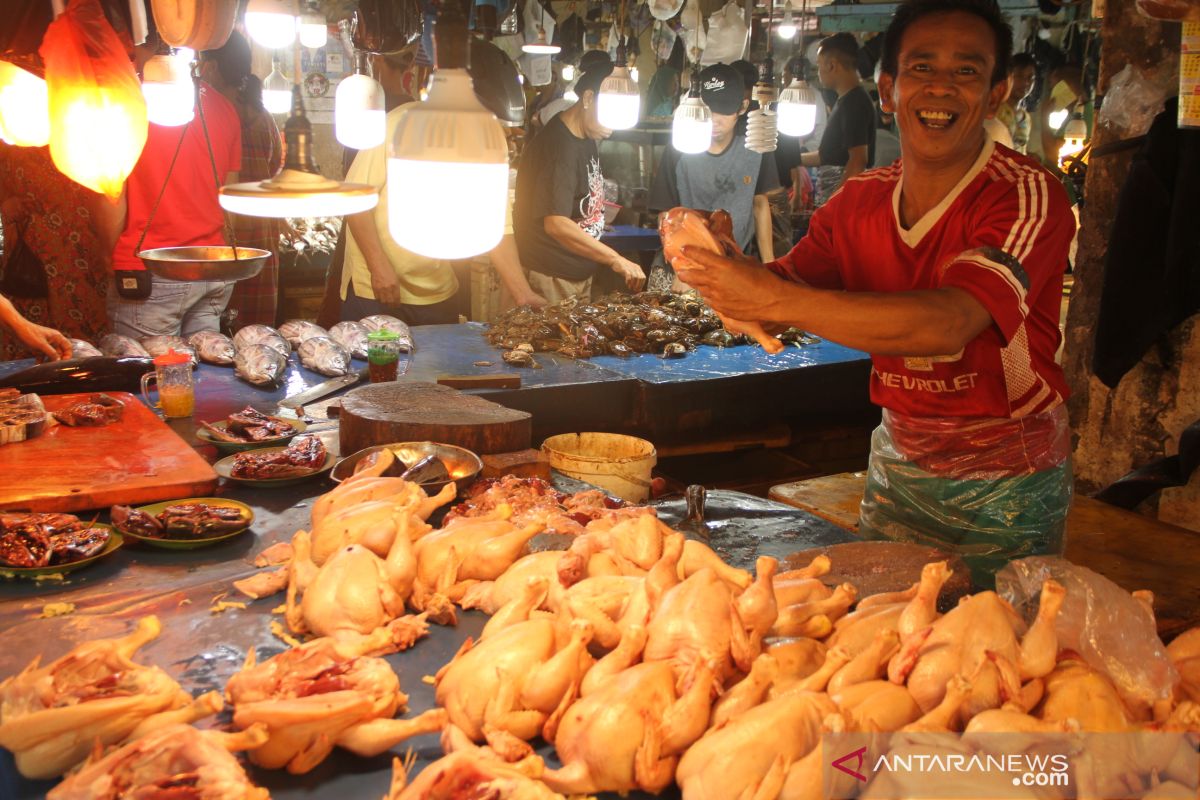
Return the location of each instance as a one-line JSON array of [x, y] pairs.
[[24, 107], [271, 23], [568, 72], [619, 101], [691, 126], [787, 28], [277, 92], [314, 32], [633, 73], [796, 110], [540, 46], [1057, 118], [1074, 140], [169, 92], [359, 118]]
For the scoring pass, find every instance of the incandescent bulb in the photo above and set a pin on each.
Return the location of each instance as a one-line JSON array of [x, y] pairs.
[[169, 92], [787, 28], [1057, 118], [277, 92], [314, 33], [359, 118], [271, 23], [540, 46], [24, 107]]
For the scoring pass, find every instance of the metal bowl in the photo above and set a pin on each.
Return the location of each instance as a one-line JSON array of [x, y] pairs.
[[204, 263], [463, 465]]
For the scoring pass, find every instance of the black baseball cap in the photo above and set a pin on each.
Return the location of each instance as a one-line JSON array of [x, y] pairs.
[[722, 89]]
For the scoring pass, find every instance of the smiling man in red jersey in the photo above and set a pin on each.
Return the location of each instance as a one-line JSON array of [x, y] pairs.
[[947, 268]]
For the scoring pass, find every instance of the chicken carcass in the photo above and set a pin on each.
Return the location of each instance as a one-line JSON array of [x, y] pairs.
[[373, 524], [1184, 652], [490, 596], [50, 716], [466, 775], [711, 231], [1074, 690], [361, 489], [177, 761], [628, 733], [515, 681], [320, 695], [354, 597], [905, 612]]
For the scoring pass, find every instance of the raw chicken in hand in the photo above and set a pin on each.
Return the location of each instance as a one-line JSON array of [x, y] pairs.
[[712, 231], [177, 761], [318, 696], [51, 716]]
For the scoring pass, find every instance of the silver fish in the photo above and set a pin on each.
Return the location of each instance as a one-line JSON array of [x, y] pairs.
[[260, 365], [297, 330], [157, 345], [82, 349], [261, 334], [212, 347], [377, 322], [352, 336], [324, 355], [116, 345]]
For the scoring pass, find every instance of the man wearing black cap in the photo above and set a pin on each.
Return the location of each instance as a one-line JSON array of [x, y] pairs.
[[559, 211], [727, 176]]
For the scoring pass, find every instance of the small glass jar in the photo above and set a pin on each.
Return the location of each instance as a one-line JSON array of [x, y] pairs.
[[383, 355]]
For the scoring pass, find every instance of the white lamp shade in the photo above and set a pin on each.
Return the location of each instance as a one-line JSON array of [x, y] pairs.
[[619, 102], [277, 92], [691, 126], [796, 111], [24, 107], [447, 170], [314, 32], [168, 89], [292, 193], [359, 118], [540, 46], [271, 23]]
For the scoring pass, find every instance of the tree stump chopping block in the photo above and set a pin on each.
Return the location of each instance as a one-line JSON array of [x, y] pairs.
[[425, 412]]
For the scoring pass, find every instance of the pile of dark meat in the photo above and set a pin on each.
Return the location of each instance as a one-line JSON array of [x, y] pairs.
[[183, 521], [534, 500], [250, 425], [305, 455], [617, 324], [98, 410], [42, 540]]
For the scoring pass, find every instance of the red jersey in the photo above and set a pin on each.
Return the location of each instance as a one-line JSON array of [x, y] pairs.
[[1002, 235], [189, 213]]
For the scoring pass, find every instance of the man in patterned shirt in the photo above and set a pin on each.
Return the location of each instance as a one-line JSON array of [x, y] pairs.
[[947, 268]]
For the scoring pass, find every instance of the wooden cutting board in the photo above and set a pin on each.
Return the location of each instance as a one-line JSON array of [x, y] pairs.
[[137, 460], [383, 413]]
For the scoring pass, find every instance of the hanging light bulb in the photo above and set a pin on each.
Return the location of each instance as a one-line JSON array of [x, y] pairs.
[[619, 100], [568, 72], [314, 32], [1057, 118], [447, 170], [359, 118], [169, 92], [299, 190], [24, 107], [271, 23], [787, 28], [797, 107], [633, 73], [691, 125], [541, 47], [277, 91], [1074, 139], [761, 133]]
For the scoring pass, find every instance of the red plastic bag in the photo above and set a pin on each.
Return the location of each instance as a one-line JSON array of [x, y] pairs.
[[97, 113]]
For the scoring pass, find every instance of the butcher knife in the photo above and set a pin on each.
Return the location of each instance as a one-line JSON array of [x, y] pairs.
[[322, 389]]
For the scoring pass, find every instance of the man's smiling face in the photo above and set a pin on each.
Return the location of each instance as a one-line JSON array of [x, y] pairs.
[[942, 90]]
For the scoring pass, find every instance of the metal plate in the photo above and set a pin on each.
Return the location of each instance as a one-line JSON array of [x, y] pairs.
[[204, 263]]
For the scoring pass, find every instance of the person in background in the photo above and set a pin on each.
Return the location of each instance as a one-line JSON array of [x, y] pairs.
[[46, 343], [558, 214], [1012, 112], [728, 176], [849, 139], [67, 228], [255, 300], [188, 213], [1066, 93], [887, 143]]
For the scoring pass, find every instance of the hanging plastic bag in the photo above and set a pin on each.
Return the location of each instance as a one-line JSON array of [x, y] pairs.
[[989, 490], [662, 40], [727, 35], [97, 113], [695, 40], [386, 26], [1112, 630], [664, 9]]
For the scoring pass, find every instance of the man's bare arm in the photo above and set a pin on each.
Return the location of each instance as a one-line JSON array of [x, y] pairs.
[[507, 263], [567, 233], [762, 227], [384, 282]]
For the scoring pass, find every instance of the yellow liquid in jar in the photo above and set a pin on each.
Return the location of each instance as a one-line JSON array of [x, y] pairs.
[[177, 401]]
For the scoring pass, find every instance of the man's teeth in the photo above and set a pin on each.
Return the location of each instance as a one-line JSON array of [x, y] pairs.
[[937, 119]]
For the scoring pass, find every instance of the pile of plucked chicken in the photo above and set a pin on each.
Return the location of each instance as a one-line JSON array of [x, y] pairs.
[[640, 655]]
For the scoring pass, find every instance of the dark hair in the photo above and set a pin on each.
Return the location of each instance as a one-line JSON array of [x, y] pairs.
[[912, 10], [250, 95], [592, 72], [232, 59], [1022, 60], [842, 46]]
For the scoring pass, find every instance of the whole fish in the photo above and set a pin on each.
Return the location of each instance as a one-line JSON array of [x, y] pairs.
[[157, 345], [352, 336], [212, 347], [297, 330], [118, 346], [324, 355], [377, 322], [82, 349], [260, 365], [261, 334], [96, 374]]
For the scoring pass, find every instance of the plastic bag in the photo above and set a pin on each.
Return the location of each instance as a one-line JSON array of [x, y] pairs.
[[727, 36], [98, 120], [1134, 99], [1112, 630], [989, 490], [386, 26]]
